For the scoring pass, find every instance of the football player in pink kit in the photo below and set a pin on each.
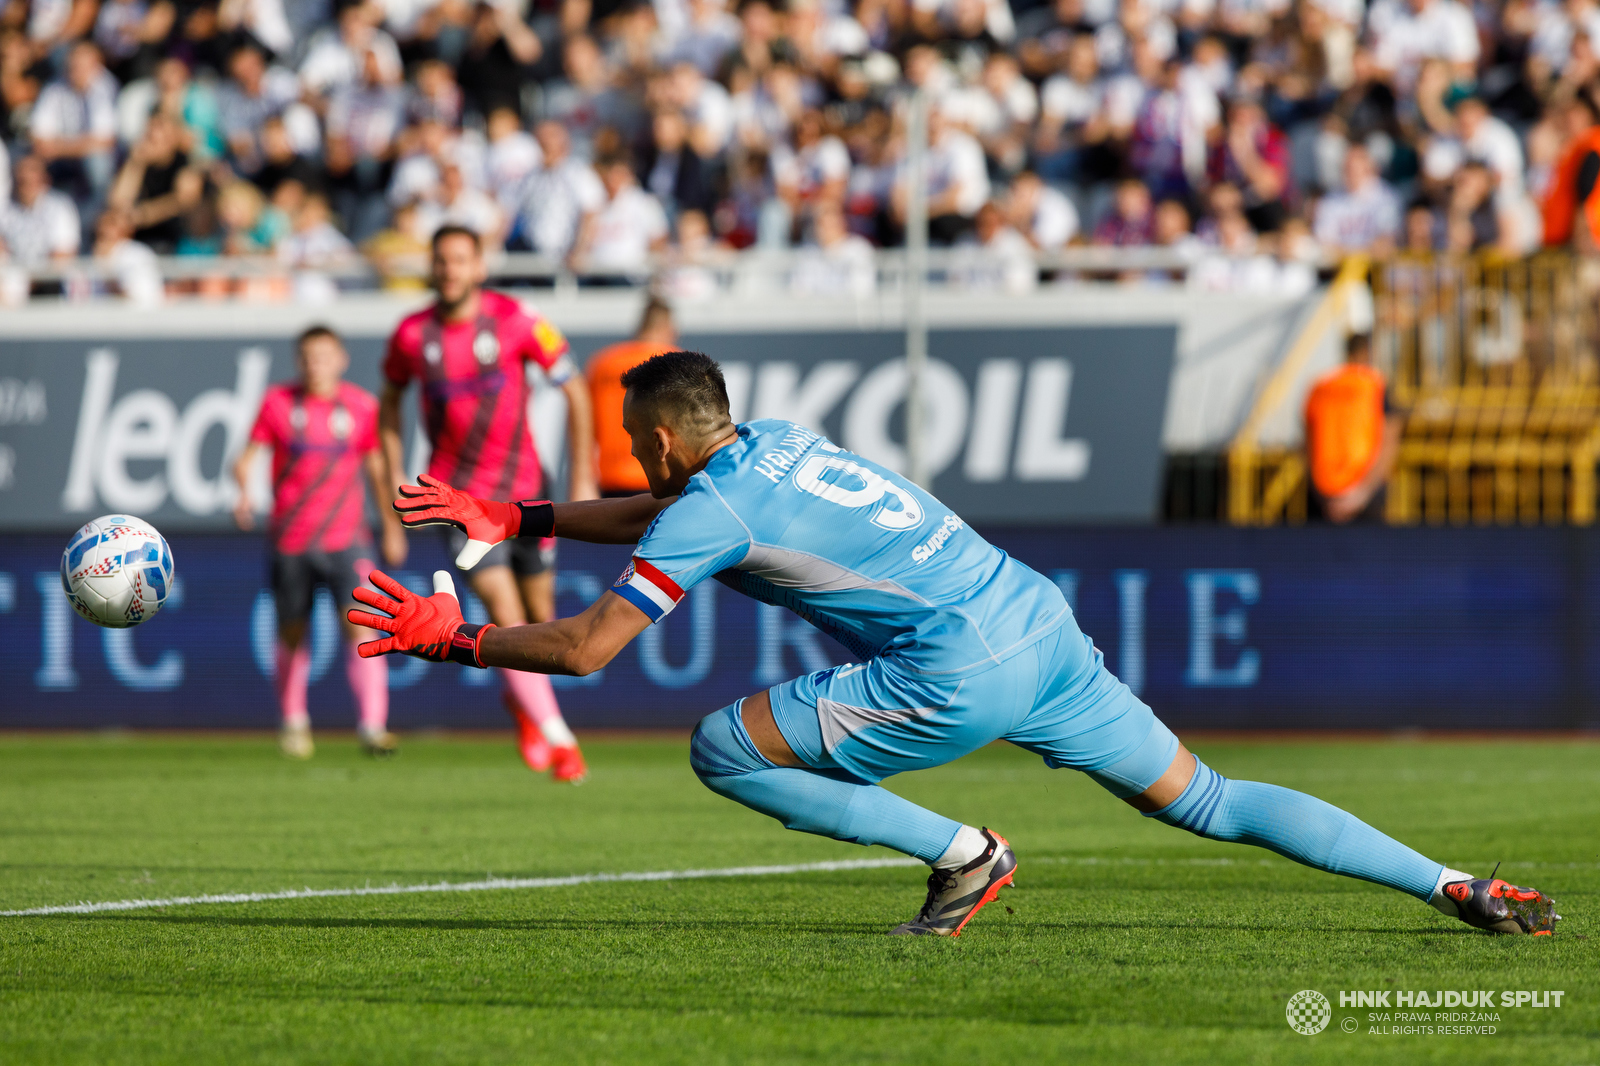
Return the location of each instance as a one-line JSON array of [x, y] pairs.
[[323, 432], [469, 352]]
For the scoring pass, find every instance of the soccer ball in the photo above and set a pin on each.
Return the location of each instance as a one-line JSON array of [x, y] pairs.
[[117, 571]]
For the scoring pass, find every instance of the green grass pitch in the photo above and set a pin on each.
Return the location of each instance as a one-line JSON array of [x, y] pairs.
[[1124, 940]]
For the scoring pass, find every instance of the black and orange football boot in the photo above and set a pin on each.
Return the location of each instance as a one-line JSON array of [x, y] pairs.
[[1501, 907], [954, 896]]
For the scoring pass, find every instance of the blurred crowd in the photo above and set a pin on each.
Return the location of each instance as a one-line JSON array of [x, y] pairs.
[[1253, 137]]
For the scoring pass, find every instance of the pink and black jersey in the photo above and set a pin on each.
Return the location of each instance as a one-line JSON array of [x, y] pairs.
[[475, 392], [317, 450]]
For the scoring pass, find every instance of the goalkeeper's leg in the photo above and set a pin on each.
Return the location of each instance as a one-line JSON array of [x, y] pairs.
[[1094, 723], [1318, 834], [969, 864]]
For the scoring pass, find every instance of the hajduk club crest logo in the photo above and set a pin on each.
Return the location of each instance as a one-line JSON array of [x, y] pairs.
[[1308, 1012]]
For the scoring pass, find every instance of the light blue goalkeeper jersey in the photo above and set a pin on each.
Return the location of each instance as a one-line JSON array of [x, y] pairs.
[[858, 551]]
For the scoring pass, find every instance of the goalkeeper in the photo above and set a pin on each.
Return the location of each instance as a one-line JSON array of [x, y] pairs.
[[958, 645]]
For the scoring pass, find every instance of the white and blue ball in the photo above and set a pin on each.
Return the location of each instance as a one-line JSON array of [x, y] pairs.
[[117, 571]]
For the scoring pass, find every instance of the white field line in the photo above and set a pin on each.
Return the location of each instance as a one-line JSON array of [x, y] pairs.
[[496, 884], [493, 884]]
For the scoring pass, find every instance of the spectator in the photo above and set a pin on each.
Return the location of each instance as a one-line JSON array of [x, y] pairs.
[[1422, 230], [254, 93], [1352, 439], [314, 242], [21, 75], [618, 239], [399, 253], [498, 60], [202, 232], [364, 118], [710, 34], [673, 171], [1000, 110], [455, 203], [190, 104], [1171, 229], [957, 180], [511, 157], [1070, 140], [1170, 131], [1253, 155], [52, 25], [839, 263], [752, 213], [130, 32], [38, 224], [132, 266], [1047, 34], [74, 128], [1365, 216], [705, 104], [691, 277], [964, 19], [819, 167], [1471, 221], [258, 20], [423, 149], [996, 256], [1410, 32], [619, 471], [146, 189], [1240, 263], [337, 58], [586, 101], [559, 198], [437, 94], [250, 226], [1472, 133], [281, 161], [1130, 223], [1044, 217]]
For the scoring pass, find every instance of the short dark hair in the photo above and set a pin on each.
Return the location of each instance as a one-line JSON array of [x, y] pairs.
[[453, 229], [311, 333], [685, 387]]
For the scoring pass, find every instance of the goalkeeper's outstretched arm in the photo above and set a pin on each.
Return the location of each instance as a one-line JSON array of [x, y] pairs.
[[432, 628], [488, 522], [621, 520]]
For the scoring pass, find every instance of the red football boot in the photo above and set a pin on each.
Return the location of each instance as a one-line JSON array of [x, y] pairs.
[[567, 765], [1496, 905], [536, 751], [954, 896]]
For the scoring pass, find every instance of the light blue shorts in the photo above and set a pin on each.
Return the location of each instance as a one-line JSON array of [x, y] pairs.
[[1056, 699]]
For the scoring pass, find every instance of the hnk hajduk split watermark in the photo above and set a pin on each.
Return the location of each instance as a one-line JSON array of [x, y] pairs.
[[1469, 1012]]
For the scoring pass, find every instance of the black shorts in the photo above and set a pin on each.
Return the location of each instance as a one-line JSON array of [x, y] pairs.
[[525, 557], [295, 579]]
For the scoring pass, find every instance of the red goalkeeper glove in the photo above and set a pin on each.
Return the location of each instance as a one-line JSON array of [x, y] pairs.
[[485, 522], [430, 628]]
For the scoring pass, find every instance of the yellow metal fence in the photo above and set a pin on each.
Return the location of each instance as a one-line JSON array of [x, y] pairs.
[[1493, 364]]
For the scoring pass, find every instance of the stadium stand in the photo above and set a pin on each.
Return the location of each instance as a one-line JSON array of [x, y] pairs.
[[1246, 142]]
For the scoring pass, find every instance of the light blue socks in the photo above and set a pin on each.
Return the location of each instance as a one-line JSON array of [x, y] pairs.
[[830, 803], [1298, 827]]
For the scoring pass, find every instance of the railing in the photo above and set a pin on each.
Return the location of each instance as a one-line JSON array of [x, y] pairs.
[[798, 271], [1493, 364]]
